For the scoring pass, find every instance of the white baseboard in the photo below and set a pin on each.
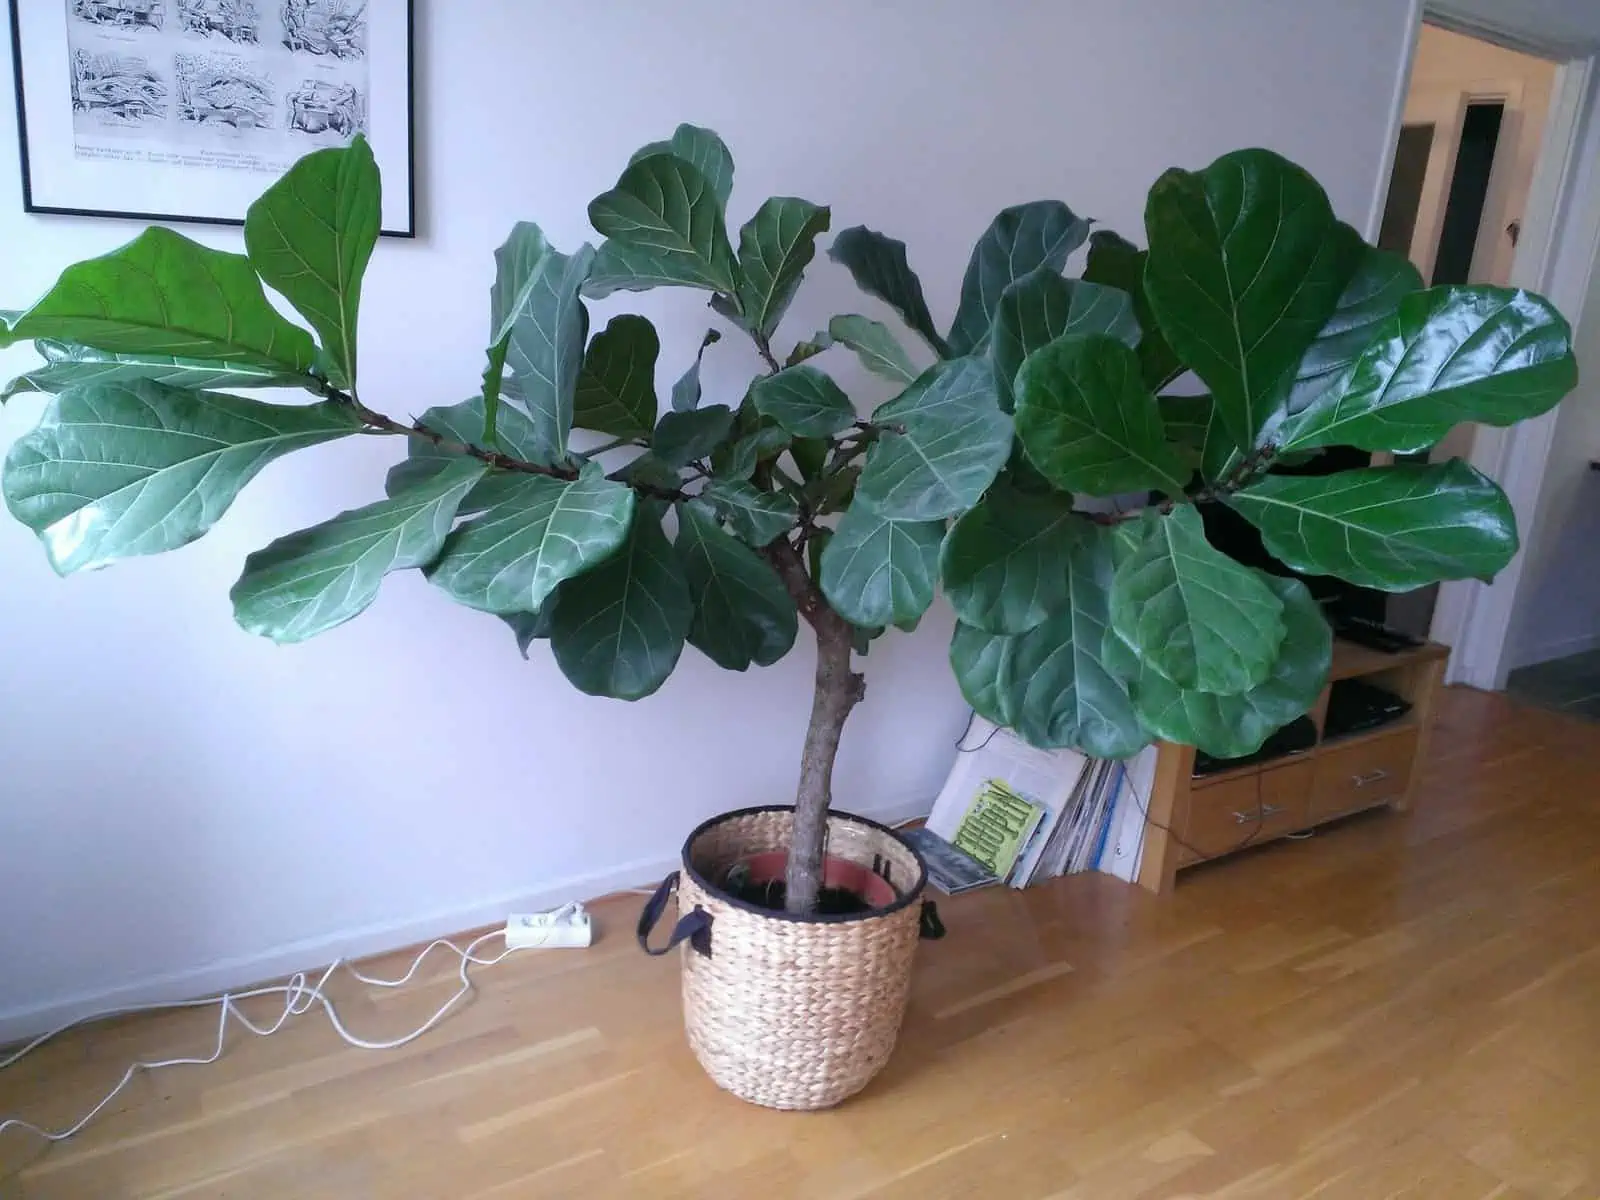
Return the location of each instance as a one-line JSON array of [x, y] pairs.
[[280, 961], [1545, 651]]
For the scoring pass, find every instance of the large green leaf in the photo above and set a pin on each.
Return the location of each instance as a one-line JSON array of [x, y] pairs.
[[877, 571], [311, 235], [1051, 684], [1449, 355], [616, 390], [879, 266], [1116, 262], [1233, 726], [742, 612], [739, 459], [878, 349], [119, 469], [686, 391], [548, 329], [1087, 422], [516, 261], [1041, 307], [805, 401], [684, 437], [1191, 612], [461, 423], [68, 365], [1381, 281], [702, 149], [756, 516], [618, 630], [1395, 528], [664, 225], [1004, 563], [947, 441], [311, 581], [535, 532], [1021, 239], [775, 246], [1246, 266], [529, 628], [163, 294]]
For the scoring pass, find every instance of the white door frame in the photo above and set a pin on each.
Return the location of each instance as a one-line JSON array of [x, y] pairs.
[[1555, 254]]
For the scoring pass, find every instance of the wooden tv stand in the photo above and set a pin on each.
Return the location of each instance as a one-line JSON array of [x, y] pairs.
[[1195, 820]]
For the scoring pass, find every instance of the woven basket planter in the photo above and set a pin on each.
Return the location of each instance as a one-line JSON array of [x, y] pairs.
[[793, 1012]]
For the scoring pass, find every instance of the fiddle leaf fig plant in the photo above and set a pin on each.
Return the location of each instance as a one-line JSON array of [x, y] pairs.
[[1047, 458]]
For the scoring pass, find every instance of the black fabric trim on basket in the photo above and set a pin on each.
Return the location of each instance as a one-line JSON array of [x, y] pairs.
[[906, 900]]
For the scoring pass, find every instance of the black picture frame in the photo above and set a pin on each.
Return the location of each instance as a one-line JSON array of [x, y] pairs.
[[406, 229]]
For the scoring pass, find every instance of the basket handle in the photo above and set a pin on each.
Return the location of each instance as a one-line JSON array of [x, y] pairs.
[[695, 927], [930, 927]]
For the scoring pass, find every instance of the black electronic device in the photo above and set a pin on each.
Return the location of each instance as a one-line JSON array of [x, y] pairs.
[[1374, 635], [1355, 706], [1294, 738]]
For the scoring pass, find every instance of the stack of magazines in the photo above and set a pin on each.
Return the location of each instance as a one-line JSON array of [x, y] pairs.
[[1013, 813]]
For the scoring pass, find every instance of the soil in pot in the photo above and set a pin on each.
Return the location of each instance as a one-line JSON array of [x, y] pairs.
[[847, 887]]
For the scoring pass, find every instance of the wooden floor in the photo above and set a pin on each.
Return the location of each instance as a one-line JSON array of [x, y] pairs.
[[1401, 1006]]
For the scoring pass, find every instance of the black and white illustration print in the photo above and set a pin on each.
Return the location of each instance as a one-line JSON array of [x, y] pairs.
[[117, 90], [327, 28], [121, 14], [236, 21], [328, 110], [223, 91]]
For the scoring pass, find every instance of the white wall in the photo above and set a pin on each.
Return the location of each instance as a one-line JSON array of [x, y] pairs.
[[183, 805]]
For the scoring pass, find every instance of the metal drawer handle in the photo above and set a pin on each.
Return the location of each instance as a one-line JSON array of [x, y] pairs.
[[1377, 776], [1250, 818]]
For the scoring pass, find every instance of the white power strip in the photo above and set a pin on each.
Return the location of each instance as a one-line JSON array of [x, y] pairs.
[[567, 926]]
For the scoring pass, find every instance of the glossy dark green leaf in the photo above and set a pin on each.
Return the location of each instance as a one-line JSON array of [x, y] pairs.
[[1004, 563], [461, 423], [879, 350], [1187, 419], [775, 247], [516, 263], [1233, 726], [616, 389], [531, 627], [838, 490], [67, 365], [684, 437], [1051, 684], [810, 457], [738, 459], [947, 441], [1191, 612], [163, 294], [534, 533], [318, 578], [703, 150], [664, 225], [1041, 307], [879, 266], [311, 235], [809, 348], [1246, 266], [1087, 422], [876, 571], [805, 401], [618, 629], [1381, 281], [549, 327], [755, 516], [1116, 262], [742, 613], [686, 391], [114, 470], [1021, 239], [1449, 355], [650, 472], [1396, 528]]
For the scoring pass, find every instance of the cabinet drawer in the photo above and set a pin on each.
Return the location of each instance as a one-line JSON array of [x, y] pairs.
[[1241, 812], [1365, 773]]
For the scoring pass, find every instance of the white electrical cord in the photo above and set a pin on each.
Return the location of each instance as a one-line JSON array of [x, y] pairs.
[[299, 996]]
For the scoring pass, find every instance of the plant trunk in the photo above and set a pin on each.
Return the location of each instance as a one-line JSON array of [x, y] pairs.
[[838, 690]]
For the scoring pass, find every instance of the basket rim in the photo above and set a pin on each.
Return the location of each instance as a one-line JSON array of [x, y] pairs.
[[911, 896]]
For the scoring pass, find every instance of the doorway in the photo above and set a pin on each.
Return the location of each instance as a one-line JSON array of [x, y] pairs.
[[1465, 160]]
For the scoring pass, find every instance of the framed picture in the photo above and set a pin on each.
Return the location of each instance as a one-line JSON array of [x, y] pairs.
[[185, 110]]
